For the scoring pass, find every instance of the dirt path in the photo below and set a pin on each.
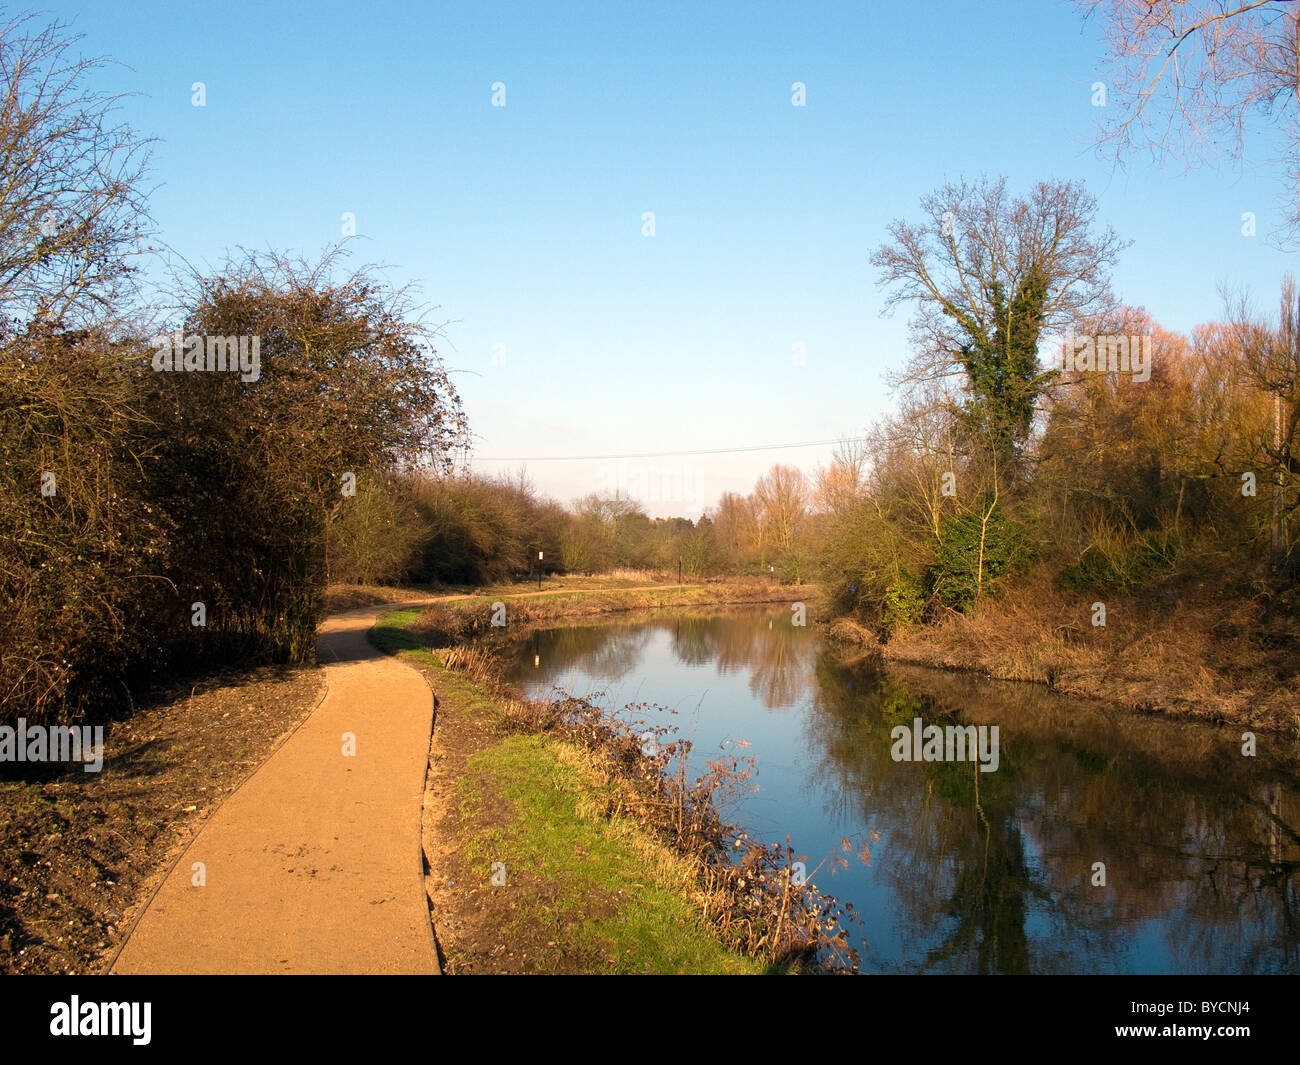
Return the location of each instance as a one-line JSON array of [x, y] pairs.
[[315, 865]]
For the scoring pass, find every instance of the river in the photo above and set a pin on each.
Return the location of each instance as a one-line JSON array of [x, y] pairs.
[[1102, 842]]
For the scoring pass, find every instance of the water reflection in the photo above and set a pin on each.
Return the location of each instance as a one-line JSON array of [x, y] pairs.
[[984, 872]]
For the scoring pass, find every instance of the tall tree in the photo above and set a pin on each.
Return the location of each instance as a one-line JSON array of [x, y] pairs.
[[991, 275], [1271, 364], [783, 495], [735, 530]]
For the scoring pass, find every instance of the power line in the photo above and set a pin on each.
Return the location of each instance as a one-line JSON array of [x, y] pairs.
[[669, 454]]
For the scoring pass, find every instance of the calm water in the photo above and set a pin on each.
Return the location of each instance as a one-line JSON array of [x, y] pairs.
[[969, 871]]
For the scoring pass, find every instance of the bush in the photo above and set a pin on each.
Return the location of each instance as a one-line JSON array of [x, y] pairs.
[[254, 469], [904, 602], [83, 594], [1119, 558], [971, 555], [376, 538], [483, 531], [175, 488]]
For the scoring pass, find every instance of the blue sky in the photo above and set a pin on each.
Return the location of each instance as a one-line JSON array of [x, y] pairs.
[[522, 225]]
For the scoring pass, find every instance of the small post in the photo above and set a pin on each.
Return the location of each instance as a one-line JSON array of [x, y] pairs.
[[539, 571]]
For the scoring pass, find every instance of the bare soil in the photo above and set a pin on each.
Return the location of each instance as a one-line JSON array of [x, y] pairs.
[[83, 852]]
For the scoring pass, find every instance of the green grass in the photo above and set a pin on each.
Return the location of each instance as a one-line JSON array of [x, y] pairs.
[[555, 841], [390, 635], [582, 889]]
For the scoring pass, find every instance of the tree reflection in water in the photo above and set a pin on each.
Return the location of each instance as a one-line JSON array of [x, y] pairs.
[[997, 868], [993, 873]]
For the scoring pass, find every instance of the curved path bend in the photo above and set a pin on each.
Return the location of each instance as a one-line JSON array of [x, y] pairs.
[[314, 864]]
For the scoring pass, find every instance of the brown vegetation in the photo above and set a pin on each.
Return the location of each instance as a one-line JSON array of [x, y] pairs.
[[1183, 649]]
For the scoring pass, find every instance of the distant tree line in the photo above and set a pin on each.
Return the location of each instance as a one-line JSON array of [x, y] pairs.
[[465, 528]]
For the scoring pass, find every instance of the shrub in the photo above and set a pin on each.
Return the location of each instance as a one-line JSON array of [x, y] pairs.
[[82, 591], [904, 602], [972, 554], [1119, 558]]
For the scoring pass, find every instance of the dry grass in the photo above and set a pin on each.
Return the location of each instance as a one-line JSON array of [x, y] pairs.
[[1182, 651], [847, 630], [451, 623], [475, 662]]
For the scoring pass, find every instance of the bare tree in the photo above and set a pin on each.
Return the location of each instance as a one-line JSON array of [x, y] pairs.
[[72, 213], [990, 275], [783, 494], [916, 461], [839, 487], [1184, 79], [735, 529]]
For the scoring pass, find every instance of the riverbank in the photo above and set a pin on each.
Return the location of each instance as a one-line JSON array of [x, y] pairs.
[[1182, 653], [523, 875], [477, 614], [632, 590], [555, 845]]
